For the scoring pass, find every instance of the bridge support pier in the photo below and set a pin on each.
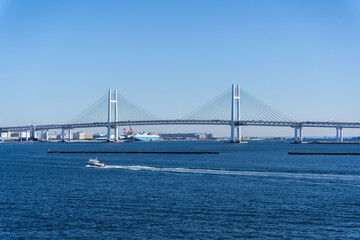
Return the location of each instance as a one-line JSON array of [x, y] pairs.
[[47, 135], [69, 134], [238, 133], [232, 137], [116, 133], [20, 136], [27, 135], [341, 134], [301, 135], [62, 135], [32, 132], [298, 134]]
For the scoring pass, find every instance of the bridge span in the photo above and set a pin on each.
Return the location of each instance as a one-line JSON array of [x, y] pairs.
[[298, 126], [267, 117]]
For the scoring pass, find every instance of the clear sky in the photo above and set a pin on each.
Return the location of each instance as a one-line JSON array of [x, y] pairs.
[[58, 57]]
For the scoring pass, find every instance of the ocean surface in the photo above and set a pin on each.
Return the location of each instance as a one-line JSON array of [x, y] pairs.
[[253, 190]]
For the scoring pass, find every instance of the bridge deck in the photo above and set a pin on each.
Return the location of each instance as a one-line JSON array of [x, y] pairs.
[[189, 122]]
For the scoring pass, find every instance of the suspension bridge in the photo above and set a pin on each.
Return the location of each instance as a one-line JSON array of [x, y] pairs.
[[235, 108]]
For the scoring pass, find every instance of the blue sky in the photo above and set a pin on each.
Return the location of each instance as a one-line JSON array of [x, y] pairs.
[[58, 57]]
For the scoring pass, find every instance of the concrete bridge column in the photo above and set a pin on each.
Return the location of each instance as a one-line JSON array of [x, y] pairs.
[[27, 135], [47, 135], [20, 136], [116, 130], [32, 132], [337, 134], [301, 135], [69, 134], [296, 134], [232, 138], [238, 133], [62, 135], [341, 134]]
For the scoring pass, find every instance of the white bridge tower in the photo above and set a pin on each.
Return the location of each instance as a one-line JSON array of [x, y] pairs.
[[235, 113], [112, 100]]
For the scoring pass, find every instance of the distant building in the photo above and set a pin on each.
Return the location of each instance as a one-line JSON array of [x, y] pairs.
[[24, 134], [52, 136], [82, 136], [5, 134], [210, 136]]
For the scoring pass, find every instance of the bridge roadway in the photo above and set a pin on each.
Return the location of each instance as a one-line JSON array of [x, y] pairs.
[[293, 124]]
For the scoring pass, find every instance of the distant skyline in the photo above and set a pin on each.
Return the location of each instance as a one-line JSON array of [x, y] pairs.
[[170, 57]]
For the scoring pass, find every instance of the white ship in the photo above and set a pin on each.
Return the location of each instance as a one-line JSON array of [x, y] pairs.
[[143, 136]]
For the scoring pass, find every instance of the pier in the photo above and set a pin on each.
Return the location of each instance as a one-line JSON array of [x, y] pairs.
[[323, 153], [135, 152]]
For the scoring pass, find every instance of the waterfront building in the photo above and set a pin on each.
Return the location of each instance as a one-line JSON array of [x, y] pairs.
[[82, 136]]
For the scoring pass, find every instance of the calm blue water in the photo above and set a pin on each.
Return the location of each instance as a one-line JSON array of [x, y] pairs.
[[253, 190]]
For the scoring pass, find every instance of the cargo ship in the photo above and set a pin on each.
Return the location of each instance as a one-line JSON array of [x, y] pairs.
[[143, 136]]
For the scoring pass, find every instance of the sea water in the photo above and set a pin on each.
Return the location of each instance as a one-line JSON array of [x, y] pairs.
[[252, 190]]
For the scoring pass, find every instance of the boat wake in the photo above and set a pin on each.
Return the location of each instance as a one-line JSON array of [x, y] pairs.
[[240, 173]]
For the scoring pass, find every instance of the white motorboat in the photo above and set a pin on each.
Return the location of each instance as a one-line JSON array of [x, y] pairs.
[[94, 163]]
